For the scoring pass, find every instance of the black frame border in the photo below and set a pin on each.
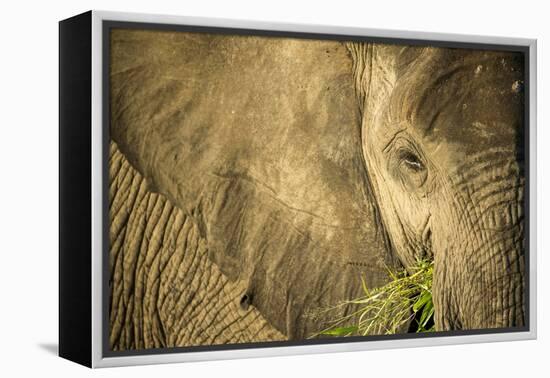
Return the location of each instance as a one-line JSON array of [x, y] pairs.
[[75, 189]]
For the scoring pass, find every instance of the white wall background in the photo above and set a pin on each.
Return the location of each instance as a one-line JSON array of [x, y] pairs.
[[29, 174]]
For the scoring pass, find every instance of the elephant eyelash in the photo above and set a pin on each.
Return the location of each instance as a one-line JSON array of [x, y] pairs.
[[414, 164], [407, 165], [411, 161]]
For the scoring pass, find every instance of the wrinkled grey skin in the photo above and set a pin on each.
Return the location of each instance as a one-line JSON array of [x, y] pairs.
[[258, 141], [442, 137], [307, 164]]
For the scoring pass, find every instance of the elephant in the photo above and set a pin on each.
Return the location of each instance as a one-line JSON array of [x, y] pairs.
[[444, 142], [255, 179]]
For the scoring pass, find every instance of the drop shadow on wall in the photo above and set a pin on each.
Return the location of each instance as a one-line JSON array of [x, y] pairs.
[[51, 348]]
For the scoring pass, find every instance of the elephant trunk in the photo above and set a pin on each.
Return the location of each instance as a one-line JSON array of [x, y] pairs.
[[479, 270]]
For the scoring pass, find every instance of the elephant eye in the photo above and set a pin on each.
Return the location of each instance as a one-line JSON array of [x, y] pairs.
[[411, 161], [412, 170]]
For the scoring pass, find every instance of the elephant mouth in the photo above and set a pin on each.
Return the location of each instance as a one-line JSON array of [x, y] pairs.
[[403, 304]]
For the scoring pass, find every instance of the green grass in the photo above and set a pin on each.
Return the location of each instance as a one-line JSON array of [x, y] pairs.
[[387, 309]]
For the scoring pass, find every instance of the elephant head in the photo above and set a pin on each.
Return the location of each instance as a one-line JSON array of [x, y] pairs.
[[307, 164], [442, 135]]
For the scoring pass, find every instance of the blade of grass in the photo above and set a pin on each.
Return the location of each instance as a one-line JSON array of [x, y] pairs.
[[389, 308]]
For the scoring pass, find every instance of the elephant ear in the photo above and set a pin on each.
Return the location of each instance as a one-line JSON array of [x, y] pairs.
[[258, 141]]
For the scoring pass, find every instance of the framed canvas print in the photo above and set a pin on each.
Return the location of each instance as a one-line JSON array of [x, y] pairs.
[[234, 189]]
